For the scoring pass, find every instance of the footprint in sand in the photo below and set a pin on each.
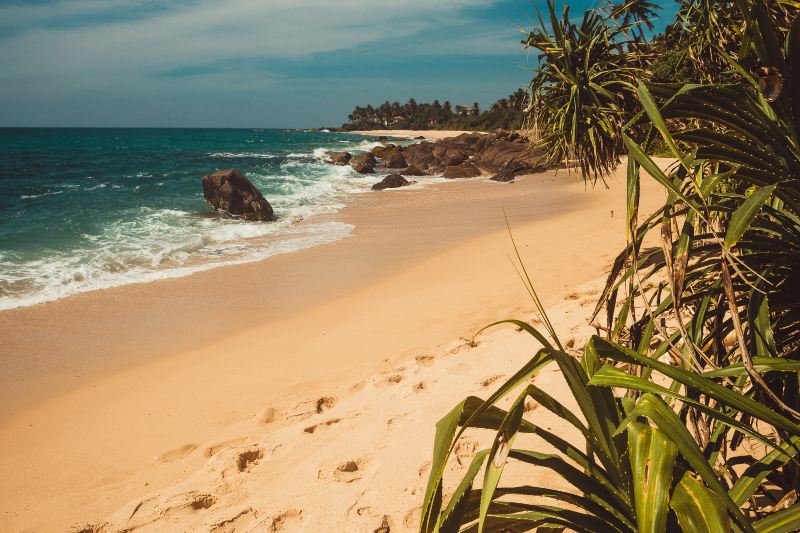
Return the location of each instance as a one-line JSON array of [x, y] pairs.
[[290, 520], [350, 471], [91, 528], [325, 403], [310, 407], [464, 451], [425, 360], [358, 387], [268, 416], [388, 381], [236, 521], [385, 526], [321, 425], [177, 454], [214, 449], [245, 461], [166, 507]]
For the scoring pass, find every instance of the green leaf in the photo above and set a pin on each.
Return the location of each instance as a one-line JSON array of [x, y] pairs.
[[762, 339], [697, 508], [450, 519], [761, 364], [784, 521], [745, 214], [722, 394], [652, 456], [754, 474], [445, 431], [656, 409], [654, 113]]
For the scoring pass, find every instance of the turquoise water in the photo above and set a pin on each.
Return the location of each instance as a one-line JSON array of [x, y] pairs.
[[82, 209]]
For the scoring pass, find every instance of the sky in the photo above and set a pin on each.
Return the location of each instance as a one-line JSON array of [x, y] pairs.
[[252, 63]]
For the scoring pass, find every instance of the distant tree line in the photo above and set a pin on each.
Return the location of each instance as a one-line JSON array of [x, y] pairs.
[[506, 113]]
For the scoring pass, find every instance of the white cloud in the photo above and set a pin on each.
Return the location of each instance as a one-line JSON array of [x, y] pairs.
[[126, 51]]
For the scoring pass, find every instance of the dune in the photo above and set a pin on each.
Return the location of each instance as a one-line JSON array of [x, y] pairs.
[[300, 392]]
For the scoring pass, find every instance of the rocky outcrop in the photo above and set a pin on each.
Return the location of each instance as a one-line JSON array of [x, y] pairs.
[[466, 170], [391, 181], [381, 150], [452, 157], [502, 153], [411, 170], [339, 158], [421, 155], [394, 160], [363, 163], [232, 195], [503, 178]]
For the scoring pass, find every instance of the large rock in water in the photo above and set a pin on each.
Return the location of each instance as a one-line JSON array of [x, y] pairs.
[[466, 170], [339, 158], [363, 163], [391, 181], [394, 160], [231, 194], [411, 170]]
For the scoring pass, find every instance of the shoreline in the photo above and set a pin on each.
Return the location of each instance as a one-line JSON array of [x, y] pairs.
[[429, 135], [192, 360]]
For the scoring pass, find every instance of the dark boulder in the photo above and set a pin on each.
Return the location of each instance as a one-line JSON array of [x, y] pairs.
[[418, 137], [363, 163], [502, 152], [394, 160], [468, 139], [339, 158], [231, 194], [411, 170], [503, 177], [391, 181], [453, 157], [440, 150], [421, 155], [466, 170], [383, 150]]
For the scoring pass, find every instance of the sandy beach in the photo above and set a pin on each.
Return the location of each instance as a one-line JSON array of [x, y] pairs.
[[298, 393]]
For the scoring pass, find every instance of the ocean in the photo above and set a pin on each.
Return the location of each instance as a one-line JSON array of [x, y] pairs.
[[84, 209]]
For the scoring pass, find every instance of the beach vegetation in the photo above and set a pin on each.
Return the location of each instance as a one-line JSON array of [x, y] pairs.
[[687, 398], [506, 113], [584, 88]]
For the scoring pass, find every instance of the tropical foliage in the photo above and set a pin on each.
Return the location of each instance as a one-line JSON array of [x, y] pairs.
[[584, 89], [506, 113], [688, 405]]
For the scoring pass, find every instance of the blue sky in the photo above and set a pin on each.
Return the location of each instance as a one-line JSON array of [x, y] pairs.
[[252, 63]]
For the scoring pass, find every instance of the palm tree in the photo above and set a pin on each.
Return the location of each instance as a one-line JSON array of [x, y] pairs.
[[636, 13]]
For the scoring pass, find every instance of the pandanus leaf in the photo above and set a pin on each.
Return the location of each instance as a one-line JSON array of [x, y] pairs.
[[697, 508], [652, 457]]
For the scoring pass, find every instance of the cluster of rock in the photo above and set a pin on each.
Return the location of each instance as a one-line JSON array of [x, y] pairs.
[[503, 154]]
